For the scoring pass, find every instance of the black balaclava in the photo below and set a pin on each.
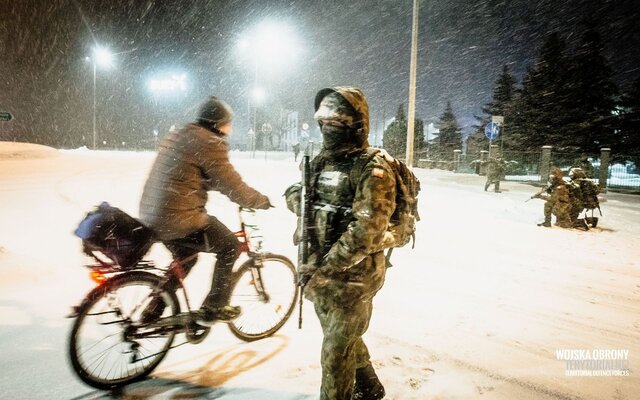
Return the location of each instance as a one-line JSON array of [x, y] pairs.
[[337, 119]]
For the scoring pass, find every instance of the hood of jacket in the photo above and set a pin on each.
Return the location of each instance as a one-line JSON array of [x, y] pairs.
[[356, 98]]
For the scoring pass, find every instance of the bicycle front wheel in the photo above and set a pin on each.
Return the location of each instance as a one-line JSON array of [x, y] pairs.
[[108, 346], [265, 287]]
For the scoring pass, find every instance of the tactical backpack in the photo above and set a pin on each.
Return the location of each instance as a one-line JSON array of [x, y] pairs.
[[404, 217], [576, 195], [590, 191]]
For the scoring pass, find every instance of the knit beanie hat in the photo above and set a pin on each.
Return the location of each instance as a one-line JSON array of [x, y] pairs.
[[215, 112]]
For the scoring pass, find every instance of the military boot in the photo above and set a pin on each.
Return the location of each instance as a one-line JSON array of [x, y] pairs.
[[581, 223], [546, 223], [368, 386]]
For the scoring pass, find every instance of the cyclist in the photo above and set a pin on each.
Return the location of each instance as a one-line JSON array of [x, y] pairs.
[[190, 162]]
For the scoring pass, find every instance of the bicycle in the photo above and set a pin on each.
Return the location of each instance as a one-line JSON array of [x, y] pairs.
[[110, 347]]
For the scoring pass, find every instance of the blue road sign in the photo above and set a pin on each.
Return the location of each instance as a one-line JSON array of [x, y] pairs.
[[492, 130]]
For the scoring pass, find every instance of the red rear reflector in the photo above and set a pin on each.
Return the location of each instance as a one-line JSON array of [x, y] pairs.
[[97, 277]]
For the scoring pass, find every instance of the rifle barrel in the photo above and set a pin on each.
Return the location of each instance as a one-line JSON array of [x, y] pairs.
[[305, 224]]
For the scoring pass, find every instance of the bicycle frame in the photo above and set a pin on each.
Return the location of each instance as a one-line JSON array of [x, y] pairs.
[[138, 324]]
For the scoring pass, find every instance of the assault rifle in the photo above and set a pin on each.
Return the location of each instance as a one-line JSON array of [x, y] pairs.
[[544, 189], [304, 227]]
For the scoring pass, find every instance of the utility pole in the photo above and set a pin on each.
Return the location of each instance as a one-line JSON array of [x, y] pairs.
[[412, 86], [94, 103], [384, 121]]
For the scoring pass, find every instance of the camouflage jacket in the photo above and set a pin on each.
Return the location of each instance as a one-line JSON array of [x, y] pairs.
[[352, 206], [575, 195], [495, 168], [557, 194]]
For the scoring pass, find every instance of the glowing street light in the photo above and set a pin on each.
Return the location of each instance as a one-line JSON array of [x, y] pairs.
[[258, 94], [270, 46], [103, 58]]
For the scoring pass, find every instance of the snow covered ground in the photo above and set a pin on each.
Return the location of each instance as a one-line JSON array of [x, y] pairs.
[[476, 311]]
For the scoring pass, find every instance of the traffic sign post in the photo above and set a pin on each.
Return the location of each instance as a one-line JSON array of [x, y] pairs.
[[5, 116], [499, 119], [491, 131], [266, 131]]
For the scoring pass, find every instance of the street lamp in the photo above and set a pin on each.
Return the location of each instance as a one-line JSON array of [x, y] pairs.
[[103, 58], [258, 94], [270, 46]]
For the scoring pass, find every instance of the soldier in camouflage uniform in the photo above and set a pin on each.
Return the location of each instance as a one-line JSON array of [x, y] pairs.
[[353, 196], [557, 201], [588, 197], [585, 165], [496, 168], [577, 198]]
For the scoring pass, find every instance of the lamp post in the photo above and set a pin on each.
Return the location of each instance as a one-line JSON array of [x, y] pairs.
[[271, 47], [103, 58]]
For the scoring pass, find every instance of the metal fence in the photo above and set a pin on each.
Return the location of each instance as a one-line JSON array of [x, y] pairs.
[[565, 161], [465, 166], [431, 157], [624, 172], [523, 166]]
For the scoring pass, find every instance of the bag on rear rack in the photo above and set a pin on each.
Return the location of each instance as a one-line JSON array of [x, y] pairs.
[[116, 234]]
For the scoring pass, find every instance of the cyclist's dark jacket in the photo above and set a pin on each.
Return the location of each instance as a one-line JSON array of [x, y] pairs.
[[190, 162]]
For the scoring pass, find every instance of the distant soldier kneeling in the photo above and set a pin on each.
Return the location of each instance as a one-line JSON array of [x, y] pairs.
[[557, 201]]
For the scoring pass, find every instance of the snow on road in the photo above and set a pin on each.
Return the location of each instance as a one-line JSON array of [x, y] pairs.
[[476, 310]]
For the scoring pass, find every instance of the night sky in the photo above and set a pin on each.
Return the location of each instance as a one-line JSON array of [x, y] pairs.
[[47, 84]]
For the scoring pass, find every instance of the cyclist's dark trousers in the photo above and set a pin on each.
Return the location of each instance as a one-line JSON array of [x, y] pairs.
[[214, 238]]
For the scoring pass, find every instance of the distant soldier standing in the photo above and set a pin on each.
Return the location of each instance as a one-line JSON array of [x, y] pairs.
[[296, 151], [496, 168], [353, 198], [557, 201]]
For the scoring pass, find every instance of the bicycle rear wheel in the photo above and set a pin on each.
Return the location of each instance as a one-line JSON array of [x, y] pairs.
[[266, 290], [107, 346]]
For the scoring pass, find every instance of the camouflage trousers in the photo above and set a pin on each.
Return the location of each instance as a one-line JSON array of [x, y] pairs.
[[492, 180], [343, 349], [562, 211]]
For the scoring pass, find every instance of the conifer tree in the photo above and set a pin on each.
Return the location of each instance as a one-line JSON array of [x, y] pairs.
[[394, 139], [503, 93], [539, 112], [629, 123], [591, 119], [450, 136]]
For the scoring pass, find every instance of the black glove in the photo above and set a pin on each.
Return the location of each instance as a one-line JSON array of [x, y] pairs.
[[305, 272]]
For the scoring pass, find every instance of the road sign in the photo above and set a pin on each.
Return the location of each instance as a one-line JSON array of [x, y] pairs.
[[266, 128], [492, 130], [498, 119], [5, 116]]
